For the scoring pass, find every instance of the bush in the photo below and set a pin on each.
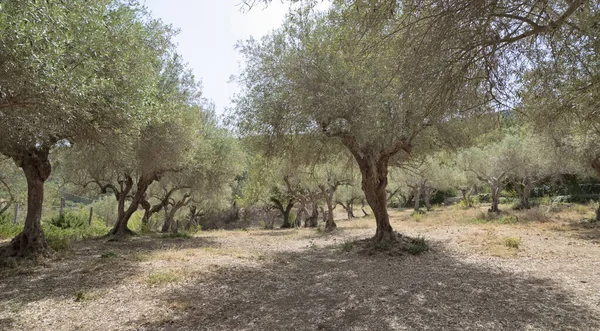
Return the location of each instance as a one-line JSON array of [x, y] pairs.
[[468, 203], [512, 242], [9, 230], [417, 246], [70, 220], [347, 246], [484, 198]]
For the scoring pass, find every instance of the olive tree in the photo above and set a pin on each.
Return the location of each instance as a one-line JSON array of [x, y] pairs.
[[376, 99], [71, 72]]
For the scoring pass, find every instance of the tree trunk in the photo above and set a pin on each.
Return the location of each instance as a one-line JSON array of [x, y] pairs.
[[286, 216], [17, 209], [598, 210], [313, 220], [417, 199], [328, 195], [31, 240], [496, 188], [61, 210], [374, 182], [526, 193], [428, 192], [91, 216], [166, 222], [362, 208], [120, 229]]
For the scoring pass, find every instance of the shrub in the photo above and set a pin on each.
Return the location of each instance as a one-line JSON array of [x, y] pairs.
[[417, 246], [347, 246], [198, 228], [417, 215], [6, 218], [512, 242], [69, 220], [468, 203], [484, 198], [9, 230]]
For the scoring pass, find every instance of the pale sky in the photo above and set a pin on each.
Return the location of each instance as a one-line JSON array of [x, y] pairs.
[[209, 31]]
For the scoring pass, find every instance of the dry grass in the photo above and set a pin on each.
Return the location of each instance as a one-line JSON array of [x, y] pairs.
[[536, 274]]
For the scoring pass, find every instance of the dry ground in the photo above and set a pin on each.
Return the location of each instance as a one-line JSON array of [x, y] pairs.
[[304, 279]]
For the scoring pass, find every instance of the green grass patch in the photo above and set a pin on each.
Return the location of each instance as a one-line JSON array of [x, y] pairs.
[[512, 242], [347, 246], [164, 277], [87, 295]]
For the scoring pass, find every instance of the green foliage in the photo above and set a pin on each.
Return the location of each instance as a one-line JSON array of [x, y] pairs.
[[417, 246], [495, 218], [86, 295], [60, 238], [9, 230], [198, 228], [468, 203], [347, 246], [163, 277], [417, 216], [69, 220], [512, 242]]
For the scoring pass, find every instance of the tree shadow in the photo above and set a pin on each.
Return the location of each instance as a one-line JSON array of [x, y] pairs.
[[324, 289], [90, 265]]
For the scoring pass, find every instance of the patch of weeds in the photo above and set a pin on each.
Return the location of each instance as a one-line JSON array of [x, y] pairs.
[[512, 242], [508, 219], [320, 229], [86, 295], [312, 244], [482, 218], [347, 246], [109, 254], [58, 243], [467, 203], [581, 209], [417, 216], [141, 257], [163, 277], [195, 229], [417, 246]]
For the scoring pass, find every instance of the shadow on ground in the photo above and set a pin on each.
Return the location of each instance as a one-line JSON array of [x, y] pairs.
[[324, 289], [586, 230], [90, 265]]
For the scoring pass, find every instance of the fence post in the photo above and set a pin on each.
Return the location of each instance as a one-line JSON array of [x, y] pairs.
[[62, 206], [16, 219], [91, 215]]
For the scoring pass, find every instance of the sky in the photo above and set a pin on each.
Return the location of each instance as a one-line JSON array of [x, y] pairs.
[[209, 31]]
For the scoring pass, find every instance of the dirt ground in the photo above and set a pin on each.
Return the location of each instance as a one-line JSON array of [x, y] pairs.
[[541, 273]]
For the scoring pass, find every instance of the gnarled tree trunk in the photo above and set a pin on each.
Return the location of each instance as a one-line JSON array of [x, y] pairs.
[[496, 187], [596, 166], [328, 195], [417, 198], [374, 182], [120, 228], [31, 240], [313, 220]]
